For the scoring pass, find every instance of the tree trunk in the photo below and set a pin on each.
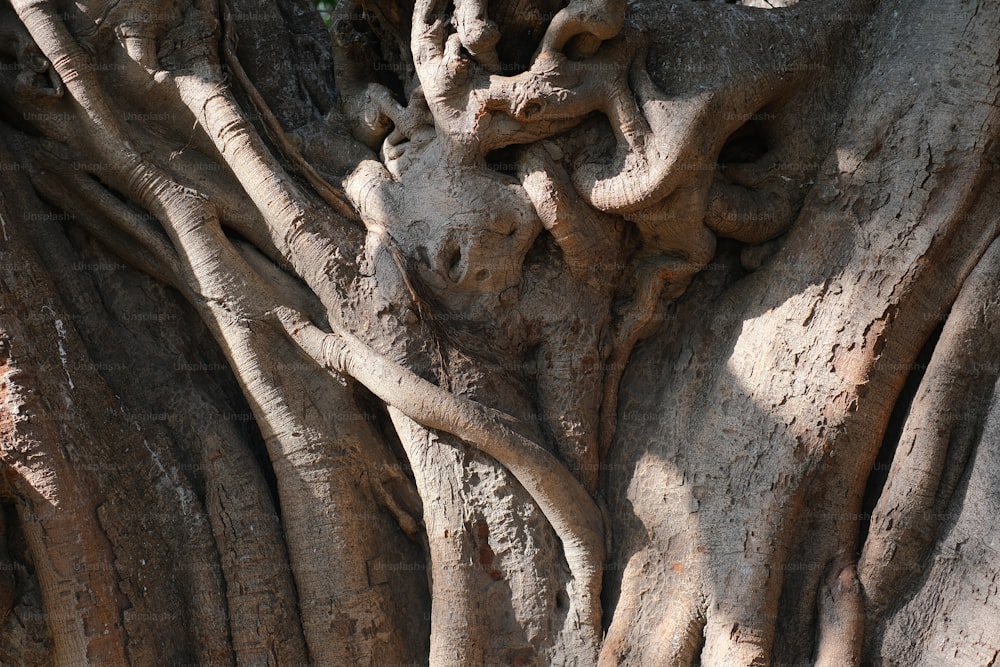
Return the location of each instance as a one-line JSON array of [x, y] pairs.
[[521, 333]]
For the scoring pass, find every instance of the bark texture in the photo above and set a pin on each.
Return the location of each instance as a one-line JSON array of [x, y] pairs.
[[524, 332]]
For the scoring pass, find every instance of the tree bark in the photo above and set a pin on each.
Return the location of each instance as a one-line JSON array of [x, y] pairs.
[[518, 332]]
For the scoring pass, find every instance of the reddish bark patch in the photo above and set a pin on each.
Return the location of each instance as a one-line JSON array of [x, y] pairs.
[[484, 552]]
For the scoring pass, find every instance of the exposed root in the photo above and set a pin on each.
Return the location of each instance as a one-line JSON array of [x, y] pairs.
[[593, 20], [655, 139], [585, 238], [132, 237], [479, 35], [751, 207], [936, 440], [571, 511], [841, 616], [653, 275], [329, 193], [478, 112]]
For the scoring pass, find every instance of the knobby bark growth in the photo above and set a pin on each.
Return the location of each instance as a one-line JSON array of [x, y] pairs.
[[471, 333]]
